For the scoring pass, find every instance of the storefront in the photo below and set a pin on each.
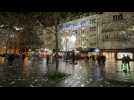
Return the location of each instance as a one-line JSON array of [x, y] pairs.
[[110, 56], [117, 54], [125, 52]]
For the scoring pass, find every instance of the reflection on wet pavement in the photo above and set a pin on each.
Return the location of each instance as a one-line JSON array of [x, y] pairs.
[[114, 72], [84, 73], [2, 60], [32, 74]]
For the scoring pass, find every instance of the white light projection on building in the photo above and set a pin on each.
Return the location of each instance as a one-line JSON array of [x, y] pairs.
[[68, 42], [71, 44]]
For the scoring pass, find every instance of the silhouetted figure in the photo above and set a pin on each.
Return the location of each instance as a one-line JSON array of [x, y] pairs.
[[92, 58], [103, 58], [73, 57], [10, 59], [127, 61], [123, 59], [23, 56], [101, 63], [47, 59]]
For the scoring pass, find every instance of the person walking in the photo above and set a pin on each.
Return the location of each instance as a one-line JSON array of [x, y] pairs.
[[124, 65], [103, 61], [127, 61], [123, 59], [93, 58], [73, 57], [23, 56], [103, 58], [47, 59], [101, 64], [10, 58]]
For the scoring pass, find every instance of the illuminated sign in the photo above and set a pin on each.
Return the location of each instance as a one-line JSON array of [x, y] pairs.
[[76, 25], [120, 55]]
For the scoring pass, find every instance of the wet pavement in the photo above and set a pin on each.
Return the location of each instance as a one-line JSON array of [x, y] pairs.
[[90, 75], [82, 74]]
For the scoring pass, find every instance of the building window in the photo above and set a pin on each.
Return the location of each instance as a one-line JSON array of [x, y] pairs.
[[99, 12], [114, 18], [92, 28], [121, 16], [118, 17]]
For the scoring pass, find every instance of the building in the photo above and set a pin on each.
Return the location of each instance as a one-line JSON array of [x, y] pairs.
[[8, 42], [112, 32], [117, 34], [80, 33]]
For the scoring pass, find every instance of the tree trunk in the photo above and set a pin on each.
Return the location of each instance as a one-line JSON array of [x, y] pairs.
[[56, 37]]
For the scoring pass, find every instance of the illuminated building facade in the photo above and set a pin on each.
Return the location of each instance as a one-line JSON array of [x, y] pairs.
[[8, 42], [80, 33], [117, 35], [112, 32]]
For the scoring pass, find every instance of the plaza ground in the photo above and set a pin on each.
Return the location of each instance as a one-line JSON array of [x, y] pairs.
[[82, 74]]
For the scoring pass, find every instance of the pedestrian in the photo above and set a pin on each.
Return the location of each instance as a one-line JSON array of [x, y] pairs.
[[124, 65], [93, 58], [10, 59], [101, 64], [65, 56], [123, 59], [23, 56], [87, 59], [103, 58], [73, 57], [47, 59], [127, 61]]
